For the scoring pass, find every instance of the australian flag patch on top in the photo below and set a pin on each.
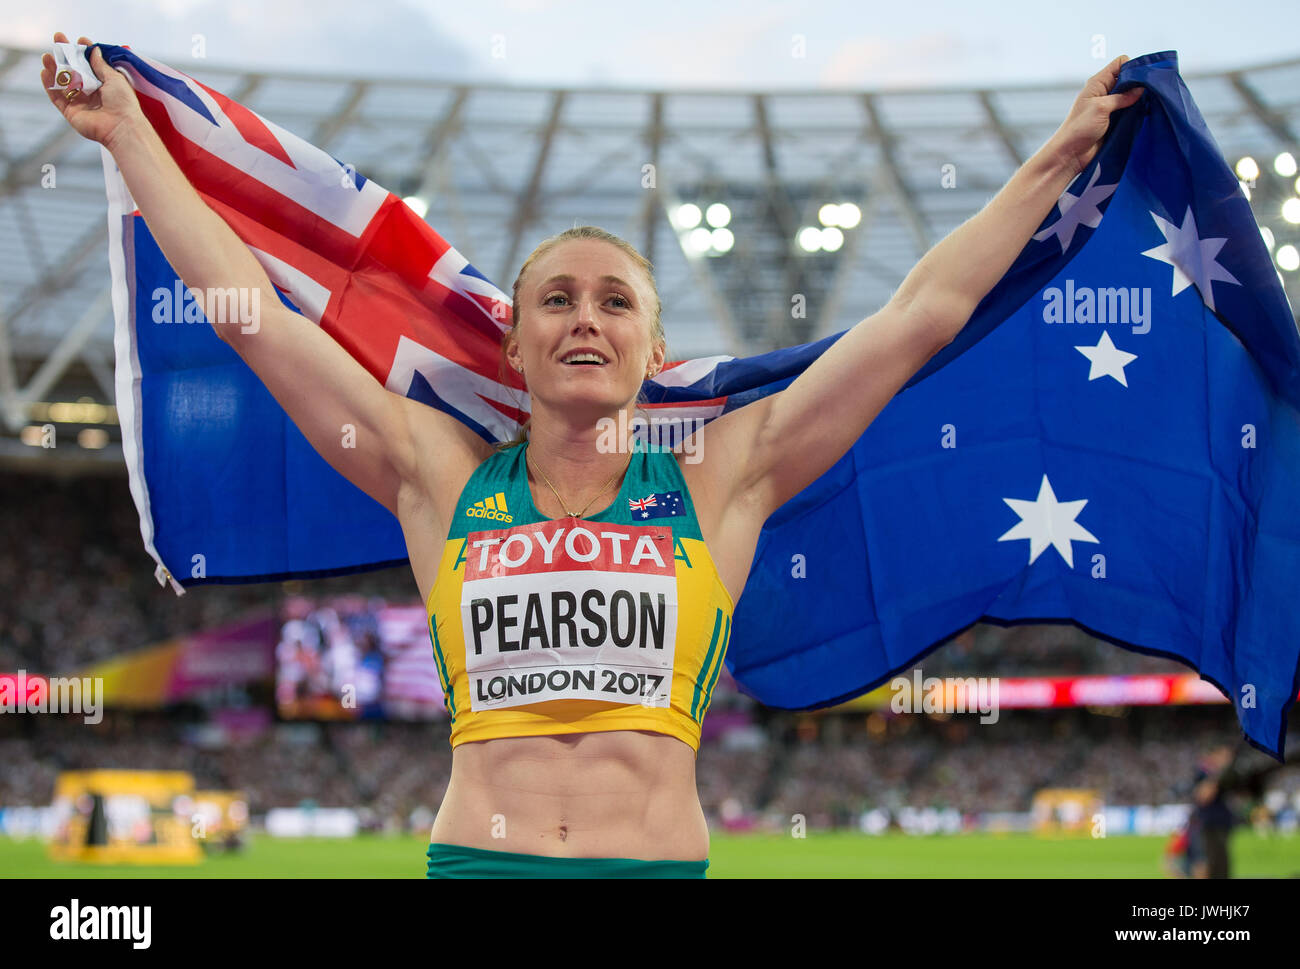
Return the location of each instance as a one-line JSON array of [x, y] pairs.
[[658, 505]]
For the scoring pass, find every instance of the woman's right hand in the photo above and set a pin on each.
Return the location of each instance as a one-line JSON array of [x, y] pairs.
[[100, 115]]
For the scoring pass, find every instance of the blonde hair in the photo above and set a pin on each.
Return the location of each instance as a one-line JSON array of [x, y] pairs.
[[579, 232]]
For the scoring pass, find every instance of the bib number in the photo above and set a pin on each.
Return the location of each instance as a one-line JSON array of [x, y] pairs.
[[570, 610]]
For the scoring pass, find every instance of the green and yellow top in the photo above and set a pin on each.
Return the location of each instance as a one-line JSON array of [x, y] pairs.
[[616, 621]]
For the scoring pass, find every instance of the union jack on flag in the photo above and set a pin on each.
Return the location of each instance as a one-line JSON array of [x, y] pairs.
[[1174, 534]]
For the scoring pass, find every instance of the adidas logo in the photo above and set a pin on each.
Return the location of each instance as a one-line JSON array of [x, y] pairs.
[[493, 507]]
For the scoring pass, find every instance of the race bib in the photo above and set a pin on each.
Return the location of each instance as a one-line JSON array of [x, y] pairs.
[[569, 610]]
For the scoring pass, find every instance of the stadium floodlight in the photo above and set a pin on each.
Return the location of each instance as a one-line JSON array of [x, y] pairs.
[[718, 215], [687, 216], [850, 215], [832, 239], [700, 240], [1291, 210], [810, 238], [81, 411], [844, 215], [417, 205], [1284, 164], [1267, 233], [1288, 258], [722, 240], [92, 438], [1247, 169]]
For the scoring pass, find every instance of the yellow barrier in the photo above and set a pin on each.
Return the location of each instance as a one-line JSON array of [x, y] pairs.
[[1065, 810], [125, 817]]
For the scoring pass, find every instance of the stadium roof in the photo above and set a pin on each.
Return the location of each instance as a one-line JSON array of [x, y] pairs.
[[502, 167]]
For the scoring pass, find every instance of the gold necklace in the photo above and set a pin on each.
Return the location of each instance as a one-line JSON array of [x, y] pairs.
[[588, 504]]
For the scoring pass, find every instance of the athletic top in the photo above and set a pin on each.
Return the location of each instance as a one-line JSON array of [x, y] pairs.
[[616, 621]]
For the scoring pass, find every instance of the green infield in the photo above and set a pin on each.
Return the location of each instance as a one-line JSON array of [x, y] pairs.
[[819, 855]]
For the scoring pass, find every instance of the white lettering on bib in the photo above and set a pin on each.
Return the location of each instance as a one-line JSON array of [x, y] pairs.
[[569, 610]]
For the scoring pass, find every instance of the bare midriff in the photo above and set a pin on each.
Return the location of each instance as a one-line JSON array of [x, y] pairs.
[[605, 794]]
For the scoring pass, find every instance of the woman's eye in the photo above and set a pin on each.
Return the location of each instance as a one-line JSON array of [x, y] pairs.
[[623, 301]]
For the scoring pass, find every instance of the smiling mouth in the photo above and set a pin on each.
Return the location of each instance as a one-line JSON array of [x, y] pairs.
[[584, 359]]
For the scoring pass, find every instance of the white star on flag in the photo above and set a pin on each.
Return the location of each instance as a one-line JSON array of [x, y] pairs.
[[1193, 258], [1046, 521], [1107, 359], [1077, 210]]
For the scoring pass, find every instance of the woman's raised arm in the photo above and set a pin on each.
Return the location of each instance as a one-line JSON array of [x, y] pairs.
[[319, 385]]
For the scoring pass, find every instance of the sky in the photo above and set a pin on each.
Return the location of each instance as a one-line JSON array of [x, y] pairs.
[[675, 44]]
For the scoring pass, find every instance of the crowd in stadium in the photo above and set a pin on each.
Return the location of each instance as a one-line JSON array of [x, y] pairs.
[[85, 585], [961, 765], [827, 769]]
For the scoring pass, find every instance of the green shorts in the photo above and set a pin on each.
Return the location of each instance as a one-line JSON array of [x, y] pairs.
[[454, 861]]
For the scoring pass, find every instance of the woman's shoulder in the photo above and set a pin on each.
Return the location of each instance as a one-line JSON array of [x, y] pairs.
[[708, 465], [446, 449], [499, 462], [699, 484], [488, 495]]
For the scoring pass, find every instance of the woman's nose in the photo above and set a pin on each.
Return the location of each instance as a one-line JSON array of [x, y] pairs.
[[586, 311]]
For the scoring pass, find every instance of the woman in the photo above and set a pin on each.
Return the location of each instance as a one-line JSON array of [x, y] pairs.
[[548, 777]]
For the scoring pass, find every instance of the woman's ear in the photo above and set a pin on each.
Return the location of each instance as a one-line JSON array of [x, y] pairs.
[[657, 357], [513, 356]]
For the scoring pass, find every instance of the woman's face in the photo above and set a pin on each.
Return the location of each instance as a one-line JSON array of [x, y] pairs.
[[585, 294]]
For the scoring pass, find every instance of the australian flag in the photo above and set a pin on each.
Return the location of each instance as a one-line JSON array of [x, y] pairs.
[[1113, 440], [657, 505]]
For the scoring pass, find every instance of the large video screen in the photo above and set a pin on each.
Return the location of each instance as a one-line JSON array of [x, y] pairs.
[[355, 658]]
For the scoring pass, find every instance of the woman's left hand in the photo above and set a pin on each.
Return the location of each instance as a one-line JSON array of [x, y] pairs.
[[1077, 140]]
